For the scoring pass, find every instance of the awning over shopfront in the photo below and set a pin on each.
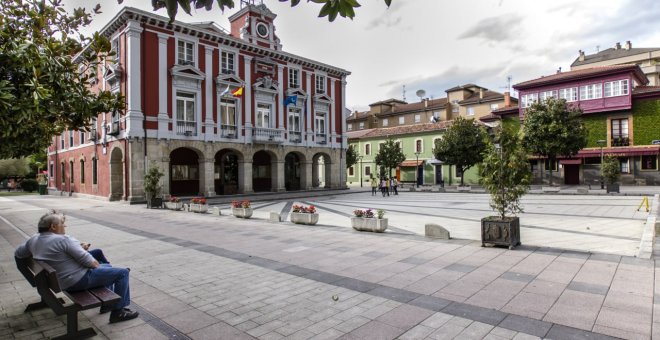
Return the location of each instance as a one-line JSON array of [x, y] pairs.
[[412, 163], [621, 152], [577, 161]]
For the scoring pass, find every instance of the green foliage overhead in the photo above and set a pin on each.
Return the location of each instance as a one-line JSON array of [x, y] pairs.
[[330, 9], [553, 129], [389, 156], [17, 167], [351, 156], [611, 169], [42, 90], [646, 121], [462, 145], [152, 185], [512, 122], [505, 172]]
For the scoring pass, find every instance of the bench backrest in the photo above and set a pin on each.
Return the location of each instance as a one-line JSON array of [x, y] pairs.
[[29, 268], [38, 273]]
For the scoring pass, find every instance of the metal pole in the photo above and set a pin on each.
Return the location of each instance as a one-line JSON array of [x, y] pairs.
[[361, 182], [417, 168], [602, 184]]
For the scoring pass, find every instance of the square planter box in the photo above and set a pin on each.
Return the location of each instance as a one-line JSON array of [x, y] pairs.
[[614, 187], [174, 205], [198, 208], [502, 232], [377, 225], [549, 189], [156, 202], [242, 212], [305, 218]]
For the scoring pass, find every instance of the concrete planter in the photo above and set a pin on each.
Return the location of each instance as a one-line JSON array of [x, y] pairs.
[[174, 205], [305, 218], [550, 189], [198, 208], [614, 187], [498, 231], [242, 212], [377, 225], [465, 188]]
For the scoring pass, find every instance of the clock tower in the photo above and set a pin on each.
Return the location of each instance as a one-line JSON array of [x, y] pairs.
[[255, 24]]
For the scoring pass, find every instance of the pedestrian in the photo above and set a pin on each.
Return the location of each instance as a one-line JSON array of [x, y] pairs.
[[77, 270], [383, 184], [395, 184], [387, 186], [374, 185]]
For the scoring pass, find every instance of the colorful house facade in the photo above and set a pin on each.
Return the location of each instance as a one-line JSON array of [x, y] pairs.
[[219, 112], [622, 116]]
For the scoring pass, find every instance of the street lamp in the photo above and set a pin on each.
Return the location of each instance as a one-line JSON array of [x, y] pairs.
[[417, 167], [361, 183], [601, 143]]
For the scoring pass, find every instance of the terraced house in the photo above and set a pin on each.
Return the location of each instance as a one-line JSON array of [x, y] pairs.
[[220, 112], [621, 113]]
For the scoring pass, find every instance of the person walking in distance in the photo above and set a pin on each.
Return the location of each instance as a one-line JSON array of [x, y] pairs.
[[382, 186], [395, 184], [387, 186], [374, 185]]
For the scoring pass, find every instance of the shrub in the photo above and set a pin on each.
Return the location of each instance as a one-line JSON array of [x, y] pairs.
[[29, 185]]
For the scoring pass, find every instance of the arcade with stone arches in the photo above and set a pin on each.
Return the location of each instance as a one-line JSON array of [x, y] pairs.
[[203, 169]]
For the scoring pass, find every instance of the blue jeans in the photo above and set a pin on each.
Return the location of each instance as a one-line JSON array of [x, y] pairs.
[[98, 255], [115, 279]]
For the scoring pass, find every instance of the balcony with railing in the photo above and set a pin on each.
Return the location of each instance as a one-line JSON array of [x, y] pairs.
[[620, 141], [228, 131], [186, 128], [295, 136], [321, 138], [267, 135]]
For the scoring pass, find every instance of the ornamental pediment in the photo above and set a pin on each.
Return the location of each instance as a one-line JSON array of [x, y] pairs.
[[296, 92], [187, 71], [322, 98], [266, 84], [229, 79], [113, 74]]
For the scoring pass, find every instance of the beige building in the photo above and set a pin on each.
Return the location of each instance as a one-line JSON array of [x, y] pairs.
[[648, 59], [469, 101]]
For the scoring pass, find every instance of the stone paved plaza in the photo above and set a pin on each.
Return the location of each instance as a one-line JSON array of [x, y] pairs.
[[218, 277]]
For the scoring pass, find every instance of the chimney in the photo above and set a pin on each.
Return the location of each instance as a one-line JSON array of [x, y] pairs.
[[581, 57], [628, 45], [617, 46], [481, 93], [426, 102], [507, 99]]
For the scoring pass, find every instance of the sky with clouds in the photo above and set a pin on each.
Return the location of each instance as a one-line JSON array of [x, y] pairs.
[[437, 44]]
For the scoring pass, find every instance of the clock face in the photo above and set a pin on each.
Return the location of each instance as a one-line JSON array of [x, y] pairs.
[[262, 30]]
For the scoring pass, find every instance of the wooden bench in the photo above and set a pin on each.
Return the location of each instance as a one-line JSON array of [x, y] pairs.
[[43, 277]]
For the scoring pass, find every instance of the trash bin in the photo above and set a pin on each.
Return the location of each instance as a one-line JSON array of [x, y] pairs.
[[43, 189]]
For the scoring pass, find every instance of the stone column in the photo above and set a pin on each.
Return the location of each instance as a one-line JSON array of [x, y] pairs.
[[277, 175], [165, 167], [308, 109], [331, 177], [206, 183], [245, 176], [280, 104], [247, 98], [208, 90], [163, 117], [134, 115], [308, 174], [333, 116]]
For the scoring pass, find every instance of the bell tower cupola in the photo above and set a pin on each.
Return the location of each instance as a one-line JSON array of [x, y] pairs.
[[255, 24]]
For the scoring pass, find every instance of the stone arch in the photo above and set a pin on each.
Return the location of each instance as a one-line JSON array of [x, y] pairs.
[[294, 171], [228, 174], [321, 170], [117, 184], [264, 171], [185, 172]]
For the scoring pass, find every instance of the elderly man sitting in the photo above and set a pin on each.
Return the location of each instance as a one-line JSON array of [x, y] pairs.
[[76, 268]]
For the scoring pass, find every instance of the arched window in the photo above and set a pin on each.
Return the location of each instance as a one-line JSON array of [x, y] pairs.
[[82, 171]]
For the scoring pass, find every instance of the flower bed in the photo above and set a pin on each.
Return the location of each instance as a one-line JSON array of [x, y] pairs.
[[241, 209], [304, 215], [174, 203], [198, 205]]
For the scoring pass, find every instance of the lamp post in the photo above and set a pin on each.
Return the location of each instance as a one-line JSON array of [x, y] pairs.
[[361, 183], [417, 167], [601, 143]]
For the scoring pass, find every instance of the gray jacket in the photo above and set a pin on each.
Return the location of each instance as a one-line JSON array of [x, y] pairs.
[[61, 252]]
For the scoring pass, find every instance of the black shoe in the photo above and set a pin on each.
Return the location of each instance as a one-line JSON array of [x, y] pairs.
[[123, 314]]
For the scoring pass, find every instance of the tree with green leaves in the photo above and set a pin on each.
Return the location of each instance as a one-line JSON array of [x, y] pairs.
[[43, 87], [462, 145], [552, 128], [330, 9], [389, 156], [13, 167], [351, 156], [505, 172]]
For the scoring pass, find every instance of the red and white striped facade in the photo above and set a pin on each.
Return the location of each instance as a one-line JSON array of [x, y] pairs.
[[181, 115]]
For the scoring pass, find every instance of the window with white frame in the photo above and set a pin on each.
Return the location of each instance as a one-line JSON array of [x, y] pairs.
[[454, 106], [82, 171], [82, 137], [319, 123], [545, 95], [593, 91], [616, 88], [494, 106], [419, 145], [294, 119], [436, 115], [470, 111], [625, 165], [528, 99], [70, 138], [349, 127], [71, 171], [380, 146], [367, 149], [228, 62], [402, 120], [116, 48], [263, 115], [185, 113], [386, 122], [186, 53], [569, 94], [361, 125], [228, 112], [320, 83], [418, 118], [294, 78]]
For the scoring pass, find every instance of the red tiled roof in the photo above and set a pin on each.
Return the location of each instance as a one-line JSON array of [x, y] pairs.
[[645, 89], [357, 133], [594, 71], [488, 96], [408, 129], [419, 106], [357, 115]]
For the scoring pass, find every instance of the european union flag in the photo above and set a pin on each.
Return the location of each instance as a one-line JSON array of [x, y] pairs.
[[290, 100]]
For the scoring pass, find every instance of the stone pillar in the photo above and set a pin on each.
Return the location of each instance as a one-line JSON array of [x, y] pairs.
[[206, 183], [208, 90], [308, 175], [245, 177], [280, 104], [330, 176], [277, 175], [308, 110], [247, 98], [333, 116], [163, 118], [134, 115], [165, 167]]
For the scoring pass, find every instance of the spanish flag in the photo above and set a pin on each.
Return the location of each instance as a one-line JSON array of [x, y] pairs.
[[238, 92]]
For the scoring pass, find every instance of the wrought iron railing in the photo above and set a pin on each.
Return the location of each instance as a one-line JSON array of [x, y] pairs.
[[620, 141], [267, 134], [186, 128], [295, 136], [228, 131]]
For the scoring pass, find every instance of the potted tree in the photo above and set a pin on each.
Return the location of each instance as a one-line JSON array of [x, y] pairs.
[[304, 215], [506, 175], [365, 220], [610, 170], [241, 209], [152, 187]]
